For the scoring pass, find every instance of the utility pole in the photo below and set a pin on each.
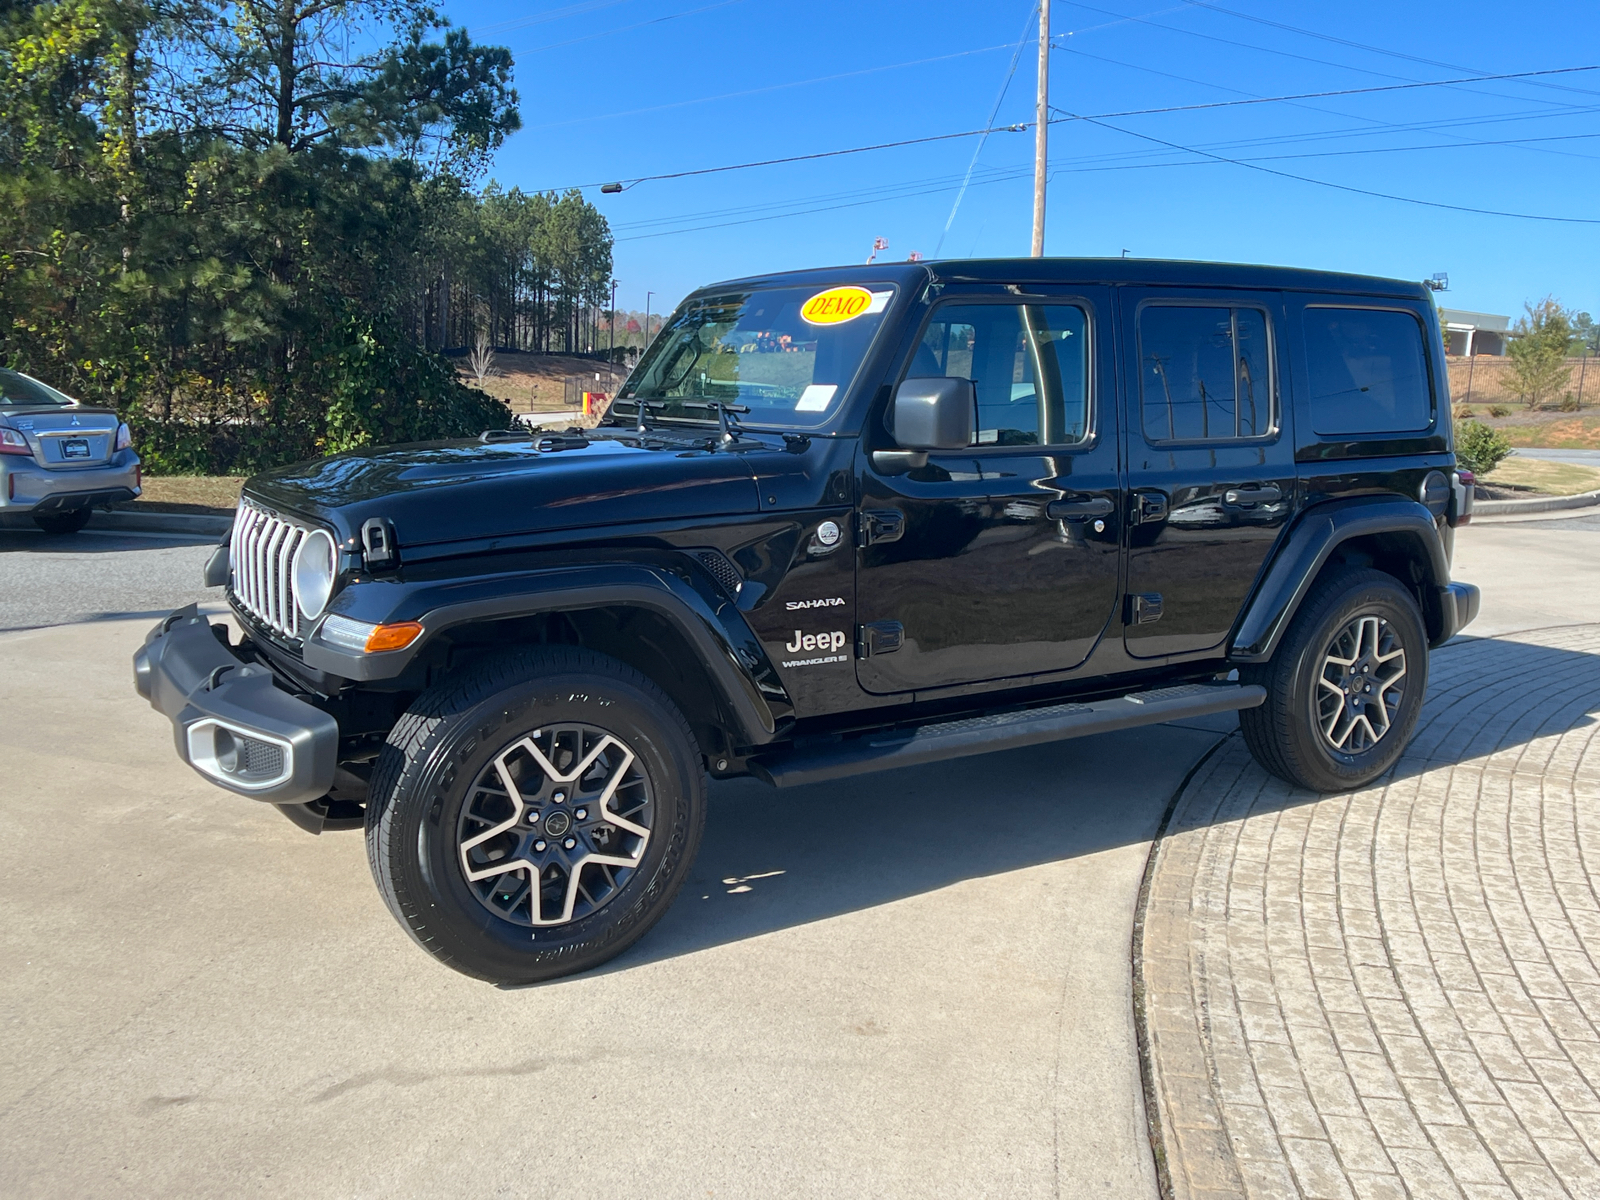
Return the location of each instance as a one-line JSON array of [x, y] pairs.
[[611, 353], [1041, 128], [646, 345]]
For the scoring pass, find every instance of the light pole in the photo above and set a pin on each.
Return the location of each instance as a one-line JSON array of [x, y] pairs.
[[611, 354]]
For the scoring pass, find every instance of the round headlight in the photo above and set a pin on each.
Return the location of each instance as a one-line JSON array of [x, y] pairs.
[[315, 564]]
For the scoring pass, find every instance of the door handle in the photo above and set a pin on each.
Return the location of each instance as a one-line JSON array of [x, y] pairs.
[[1078, 510], [1253, 494]]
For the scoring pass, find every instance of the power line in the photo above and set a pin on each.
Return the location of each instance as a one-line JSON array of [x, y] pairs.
[[1383, 125], [776, 87], [1016, 56], [1095, 164], [1023, 126], [1343, 187], [1210, 37], [1338, 41]]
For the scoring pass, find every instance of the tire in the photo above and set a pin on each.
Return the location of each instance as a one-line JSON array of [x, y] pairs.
[[69, 521], [1311, 733], [460, 765]]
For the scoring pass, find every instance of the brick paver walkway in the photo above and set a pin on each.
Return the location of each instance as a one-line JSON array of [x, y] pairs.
[[1392, 992]]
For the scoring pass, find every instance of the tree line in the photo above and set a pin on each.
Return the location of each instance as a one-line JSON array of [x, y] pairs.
[[251, 226]]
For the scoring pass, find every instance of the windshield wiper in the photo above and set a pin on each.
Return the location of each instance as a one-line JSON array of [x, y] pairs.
[[732, 431]]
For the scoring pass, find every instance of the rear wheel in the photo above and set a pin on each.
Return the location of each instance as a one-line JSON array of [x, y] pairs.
[[536, 816], [69, 521], [1345, 686]]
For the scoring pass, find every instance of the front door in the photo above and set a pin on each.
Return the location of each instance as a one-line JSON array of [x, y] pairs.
[[1210, 466], [1001, 560]]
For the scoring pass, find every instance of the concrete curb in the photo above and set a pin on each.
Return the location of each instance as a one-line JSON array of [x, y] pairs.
[[194, 524], [1505, 508]]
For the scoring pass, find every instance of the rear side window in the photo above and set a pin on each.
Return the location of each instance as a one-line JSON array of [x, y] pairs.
[[1369, 372], [1205, 373], [1029, 364]]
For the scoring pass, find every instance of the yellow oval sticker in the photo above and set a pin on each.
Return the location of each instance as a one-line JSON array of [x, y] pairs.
[[836, 305]]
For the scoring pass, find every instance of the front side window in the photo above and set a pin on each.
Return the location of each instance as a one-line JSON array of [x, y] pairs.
[[1205, 373], [1369, 373], [1029, 364], [788, 353]]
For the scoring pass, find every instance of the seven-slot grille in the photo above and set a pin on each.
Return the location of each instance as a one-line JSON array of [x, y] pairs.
[[261, 554]]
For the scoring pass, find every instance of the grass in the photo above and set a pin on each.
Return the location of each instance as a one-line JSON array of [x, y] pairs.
[[191, 493], [1549, 431], [1547, 478]]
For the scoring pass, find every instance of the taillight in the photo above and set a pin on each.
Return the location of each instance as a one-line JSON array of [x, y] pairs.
[[124, 438], [12, 442]]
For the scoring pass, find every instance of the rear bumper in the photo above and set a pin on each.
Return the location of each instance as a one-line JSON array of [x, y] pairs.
[[26, 487], [230, 720], [1458, 608]]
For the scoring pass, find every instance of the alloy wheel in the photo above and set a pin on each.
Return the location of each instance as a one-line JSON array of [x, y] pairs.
[[1362, 681], [555, 824]]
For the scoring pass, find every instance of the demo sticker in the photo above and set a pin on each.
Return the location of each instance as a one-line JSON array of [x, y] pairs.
[[837, 305]]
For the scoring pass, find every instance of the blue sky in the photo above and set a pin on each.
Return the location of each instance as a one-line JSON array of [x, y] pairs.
[[619, 89]]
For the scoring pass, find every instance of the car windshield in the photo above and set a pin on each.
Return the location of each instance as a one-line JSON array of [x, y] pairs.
[[787, 353], [18, 389]]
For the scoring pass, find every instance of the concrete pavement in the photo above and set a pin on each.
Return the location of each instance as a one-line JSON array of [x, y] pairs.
[[93, 575], [1394, 992], [906, 985]]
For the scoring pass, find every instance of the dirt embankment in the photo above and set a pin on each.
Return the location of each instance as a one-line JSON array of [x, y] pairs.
[[542, 382]]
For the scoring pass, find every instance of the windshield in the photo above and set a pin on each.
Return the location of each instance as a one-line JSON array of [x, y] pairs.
[[16, 388], [788, 353]]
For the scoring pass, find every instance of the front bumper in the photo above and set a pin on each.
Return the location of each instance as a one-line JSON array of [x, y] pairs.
[[231, 721], [27, 487]]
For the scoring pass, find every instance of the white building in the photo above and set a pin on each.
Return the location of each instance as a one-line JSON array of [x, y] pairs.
[[1474, 333]]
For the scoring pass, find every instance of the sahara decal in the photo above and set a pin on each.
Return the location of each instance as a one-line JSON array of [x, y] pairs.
[[826, 602]]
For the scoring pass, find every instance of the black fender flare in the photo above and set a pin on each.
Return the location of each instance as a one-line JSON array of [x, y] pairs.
[[749, 687], [1309, 544]]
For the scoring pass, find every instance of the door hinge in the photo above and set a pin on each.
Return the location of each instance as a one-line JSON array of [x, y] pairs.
[[879, 525], [879, 637], [1148, 507], [1144, 608]]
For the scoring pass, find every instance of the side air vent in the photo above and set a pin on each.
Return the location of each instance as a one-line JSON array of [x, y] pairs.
[[723, 571]]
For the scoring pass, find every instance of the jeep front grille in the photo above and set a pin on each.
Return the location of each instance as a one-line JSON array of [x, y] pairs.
[[261, 555]]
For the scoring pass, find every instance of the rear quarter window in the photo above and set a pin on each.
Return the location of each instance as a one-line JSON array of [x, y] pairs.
[[1368, 371]]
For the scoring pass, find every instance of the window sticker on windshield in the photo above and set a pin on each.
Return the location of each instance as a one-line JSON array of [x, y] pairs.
[[816, 397], [838, 305]]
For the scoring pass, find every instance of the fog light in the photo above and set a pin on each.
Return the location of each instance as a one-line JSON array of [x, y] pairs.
[[243, 758]]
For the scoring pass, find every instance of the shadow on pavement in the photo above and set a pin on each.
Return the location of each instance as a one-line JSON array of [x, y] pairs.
[[19, 540], [772, 860]]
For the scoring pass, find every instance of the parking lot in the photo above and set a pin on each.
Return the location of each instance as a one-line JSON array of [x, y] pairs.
[[908, 984]]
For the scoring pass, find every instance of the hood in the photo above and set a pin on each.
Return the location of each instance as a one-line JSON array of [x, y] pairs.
[[455, 491]]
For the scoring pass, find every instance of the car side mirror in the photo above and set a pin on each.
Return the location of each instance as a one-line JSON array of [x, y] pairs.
[[929, 414]]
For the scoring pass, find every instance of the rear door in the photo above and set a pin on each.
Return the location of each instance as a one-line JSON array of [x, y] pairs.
[[1210, 465], [1001, 560]]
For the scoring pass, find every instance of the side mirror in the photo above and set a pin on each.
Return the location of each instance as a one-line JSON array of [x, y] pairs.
[[934, 414]]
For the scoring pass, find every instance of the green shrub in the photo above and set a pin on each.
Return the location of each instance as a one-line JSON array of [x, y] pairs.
[[1499, 410], [1479, 448]]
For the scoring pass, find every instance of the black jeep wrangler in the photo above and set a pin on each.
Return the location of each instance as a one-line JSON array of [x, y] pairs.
[[836, 521]]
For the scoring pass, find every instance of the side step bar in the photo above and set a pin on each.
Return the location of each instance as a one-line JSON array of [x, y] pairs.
[[821, 761]]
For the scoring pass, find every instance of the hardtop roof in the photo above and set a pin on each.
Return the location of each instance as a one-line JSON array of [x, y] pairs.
[[1151, 271]]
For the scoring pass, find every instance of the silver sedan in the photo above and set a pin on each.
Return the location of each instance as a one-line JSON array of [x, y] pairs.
[[59, 459]]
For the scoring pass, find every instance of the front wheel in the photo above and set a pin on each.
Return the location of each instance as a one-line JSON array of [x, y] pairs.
[[534, 817], [1345, 687]]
